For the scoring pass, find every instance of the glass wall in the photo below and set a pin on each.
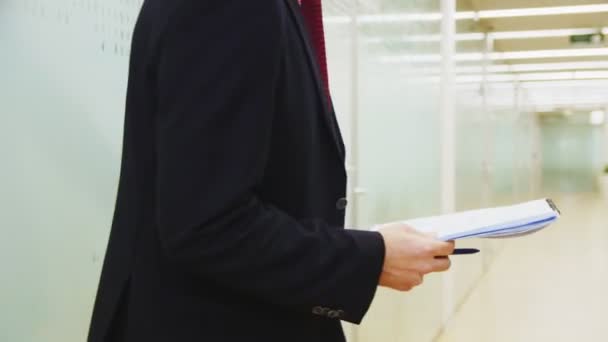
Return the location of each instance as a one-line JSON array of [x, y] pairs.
[[64, 68], [392, 120], [572, 152], [385, 83]]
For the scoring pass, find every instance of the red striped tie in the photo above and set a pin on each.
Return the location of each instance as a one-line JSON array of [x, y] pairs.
[[312, 11]]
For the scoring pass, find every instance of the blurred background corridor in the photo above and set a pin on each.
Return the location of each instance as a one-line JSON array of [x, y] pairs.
[[444, 105]]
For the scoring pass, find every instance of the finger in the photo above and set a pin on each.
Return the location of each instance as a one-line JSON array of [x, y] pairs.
[[450, 247], [441, 264], [419, 279], [411, 280], [405, 281], [441, 248], [437, 264]]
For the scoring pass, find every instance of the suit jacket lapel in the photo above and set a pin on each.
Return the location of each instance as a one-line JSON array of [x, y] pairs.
[[312, 62]]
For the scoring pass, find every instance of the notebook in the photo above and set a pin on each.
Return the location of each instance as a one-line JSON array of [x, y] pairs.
[[500, 222]]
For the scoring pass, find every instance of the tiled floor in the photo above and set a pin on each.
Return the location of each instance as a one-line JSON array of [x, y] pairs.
[[550, 287]]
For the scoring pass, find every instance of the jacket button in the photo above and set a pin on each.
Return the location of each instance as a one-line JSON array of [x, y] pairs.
[[342, 204], [333, 314], [317, 310]]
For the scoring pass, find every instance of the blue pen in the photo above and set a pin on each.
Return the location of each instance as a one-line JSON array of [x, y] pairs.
[[465, 251]]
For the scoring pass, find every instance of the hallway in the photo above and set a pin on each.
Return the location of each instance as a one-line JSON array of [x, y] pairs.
[[548, 287]]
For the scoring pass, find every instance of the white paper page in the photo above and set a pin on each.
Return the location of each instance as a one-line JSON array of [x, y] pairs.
[[463, 222]]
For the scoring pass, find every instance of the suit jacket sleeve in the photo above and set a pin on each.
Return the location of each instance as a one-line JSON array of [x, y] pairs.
[[216, 76]]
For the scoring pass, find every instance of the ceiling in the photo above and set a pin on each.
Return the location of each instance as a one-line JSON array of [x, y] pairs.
[[528, 23], [583, 94], [390, 37]]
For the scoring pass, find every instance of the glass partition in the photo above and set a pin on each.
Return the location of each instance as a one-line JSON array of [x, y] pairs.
[[64, 68], [391, 119], [385, 83]]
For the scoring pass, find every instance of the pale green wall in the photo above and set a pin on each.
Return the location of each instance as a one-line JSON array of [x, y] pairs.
[[572, 155], [61, 113]]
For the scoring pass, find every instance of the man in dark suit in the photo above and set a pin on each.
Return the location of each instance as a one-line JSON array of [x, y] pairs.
[[229, 219]]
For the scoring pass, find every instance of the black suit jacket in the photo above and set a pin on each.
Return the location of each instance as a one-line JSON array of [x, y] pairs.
[[229, 218]]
